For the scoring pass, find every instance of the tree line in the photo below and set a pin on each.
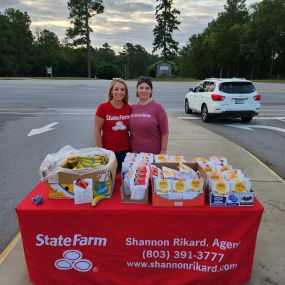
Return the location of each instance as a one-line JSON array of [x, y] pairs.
[[25, 54], [240, 42]]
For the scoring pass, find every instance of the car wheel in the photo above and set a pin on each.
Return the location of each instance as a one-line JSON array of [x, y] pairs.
[[187, 109], [246, 119], [205, 115]]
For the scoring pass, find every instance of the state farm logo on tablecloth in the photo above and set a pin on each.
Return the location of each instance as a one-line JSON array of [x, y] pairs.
[[72, 259]]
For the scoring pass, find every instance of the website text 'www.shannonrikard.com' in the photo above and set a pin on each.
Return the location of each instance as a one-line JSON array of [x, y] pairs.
[[194, 266]]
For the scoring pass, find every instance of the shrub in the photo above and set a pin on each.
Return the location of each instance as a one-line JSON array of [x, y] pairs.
[[108, 71]]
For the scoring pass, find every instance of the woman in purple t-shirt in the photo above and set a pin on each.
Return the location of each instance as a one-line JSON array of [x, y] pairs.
[[148, 122]]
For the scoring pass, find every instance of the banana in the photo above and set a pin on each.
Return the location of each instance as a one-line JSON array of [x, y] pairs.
[[98, 158], [79, 165], [65, 164], [97, 199], [96, 164], [86, 158], [95, 157], [72, 158], [92, 161], [90, 164], [73, 161], [85, 163]]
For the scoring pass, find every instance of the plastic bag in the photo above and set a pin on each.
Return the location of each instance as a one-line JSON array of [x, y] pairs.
[[50, 167]]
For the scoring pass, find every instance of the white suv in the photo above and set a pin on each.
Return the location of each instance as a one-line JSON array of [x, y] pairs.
[[223, 97]]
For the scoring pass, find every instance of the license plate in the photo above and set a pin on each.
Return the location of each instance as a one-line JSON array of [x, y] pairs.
[[239, 101]]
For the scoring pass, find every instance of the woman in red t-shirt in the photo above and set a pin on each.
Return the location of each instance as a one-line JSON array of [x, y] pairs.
[[111, 128]]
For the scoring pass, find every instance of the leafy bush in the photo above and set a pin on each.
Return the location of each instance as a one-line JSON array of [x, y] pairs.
[[152, 70], [108, 71]]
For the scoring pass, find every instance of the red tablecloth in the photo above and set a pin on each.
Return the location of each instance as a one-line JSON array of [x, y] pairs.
[[118, 243]]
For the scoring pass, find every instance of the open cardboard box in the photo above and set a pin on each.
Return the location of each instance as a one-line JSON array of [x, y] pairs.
[[159, 201], [63, 187]]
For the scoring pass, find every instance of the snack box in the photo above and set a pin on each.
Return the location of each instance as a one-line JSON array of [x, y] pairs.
[[159, 201], [233, 199], [230, 197], [63, 188], [126, 198]]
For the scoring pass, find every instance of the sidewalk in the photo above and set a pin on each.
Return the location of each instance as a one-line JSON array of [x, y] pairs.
[[193, 141]]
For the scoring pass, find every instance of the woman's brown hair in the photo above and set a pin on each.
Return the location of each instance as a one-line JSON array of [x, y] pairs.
[[147, 80]]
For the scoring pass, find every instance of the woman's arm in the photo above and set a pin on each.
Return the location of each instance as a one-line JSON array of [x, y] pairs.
[[164, 130], [98, 126], [164, 143]]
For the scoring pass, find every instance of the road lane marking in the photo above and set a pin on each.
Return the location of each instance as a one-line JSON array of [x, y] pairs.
[[41, 130], [255, 118], [251, 127], [278, 110], [269, 118], [9, 248]]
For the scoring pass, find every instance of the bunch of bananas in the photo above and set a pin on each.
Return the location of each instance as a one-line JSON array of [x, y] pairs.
[[74, 161]]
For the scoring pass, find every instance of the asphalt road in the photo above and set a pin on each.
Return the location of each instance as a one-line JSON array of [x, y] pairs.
[[70, 106]]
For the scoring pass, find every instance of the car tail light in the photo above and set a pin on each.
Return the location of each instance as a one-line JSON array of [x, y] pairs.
[[257, 97], [216, 97]]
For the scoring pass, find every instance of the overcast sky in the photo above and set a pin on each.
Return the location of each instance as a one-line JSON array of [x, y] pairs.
[[122, 21]]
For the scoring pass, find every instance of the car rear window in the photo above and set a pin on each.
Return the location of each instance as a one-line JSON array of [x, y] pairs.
[[236, 87]]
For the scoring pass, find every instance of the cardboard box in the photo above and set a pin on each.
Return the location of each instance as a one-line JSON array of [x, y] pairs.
[[159, 201], [63, 187]]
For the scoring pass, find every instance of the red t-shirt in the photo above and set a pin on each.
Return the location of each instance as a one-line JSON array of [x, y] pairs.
[[115, 135]]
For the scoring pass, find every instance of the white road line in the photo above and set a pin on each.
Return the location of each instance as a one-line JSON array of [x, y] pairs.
[[269, 118], [47, 109], [269, 114], [43, 129], [264, 110], [252, 127], [189, 118], [49, 113], [30, 91], [255, 118]]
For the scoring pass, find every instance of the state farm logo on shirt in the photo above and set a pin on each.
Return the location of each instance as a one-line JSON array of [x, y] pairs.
[[116, 118], [140, 115], [119, 126]]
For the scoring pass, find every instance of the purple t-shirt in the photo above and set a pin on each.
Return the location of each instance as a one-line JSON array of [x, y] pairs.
[[147, 124]]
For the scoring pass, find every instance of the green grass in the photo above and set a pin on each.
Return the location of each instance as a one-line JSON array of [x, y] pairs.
[[175, 79], [64, 78]]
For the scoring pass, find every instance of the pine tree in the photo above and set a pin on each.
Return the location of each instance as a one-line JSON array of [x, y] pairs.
[[81, 12], [167, 23]]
